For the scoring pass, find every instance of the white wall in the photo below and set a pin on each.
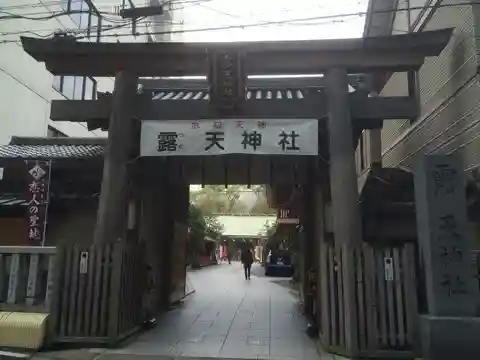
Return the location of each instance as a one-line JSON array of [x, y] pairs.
[[25, 85]]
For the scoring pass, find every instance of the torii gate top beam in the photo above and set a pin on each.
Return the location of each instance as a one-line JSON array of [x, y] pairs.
[[392, 53]]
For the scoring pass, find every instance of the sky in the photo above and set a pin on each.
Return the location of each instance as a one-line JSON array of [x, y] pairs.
[[314, 19], [217, 13]]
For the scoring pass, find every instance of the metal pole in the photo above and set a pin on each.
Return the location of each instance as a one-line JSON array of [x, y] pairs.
[[45, 223]]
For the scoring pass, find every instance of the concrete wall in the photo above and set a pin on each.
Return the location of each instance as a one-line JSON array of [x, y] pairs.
[[449, 95]]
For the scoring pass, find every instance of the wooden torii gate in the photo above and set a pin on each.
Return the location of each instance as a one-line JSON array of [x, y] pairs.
[[227, 67]]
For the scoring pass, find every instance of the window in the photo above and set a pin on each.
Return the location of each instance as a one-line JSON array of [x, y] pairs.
[[57, 83], [64, 4], [68, 87], [76, 87], [80, 13], [94, 28], [85, 16], [90, 87]]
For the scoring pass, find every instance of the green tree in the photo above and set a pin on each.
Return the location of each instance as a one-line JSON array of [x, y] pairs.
[[213, 227], [269, 228], [216, 199], [261, 206], [197, 230]]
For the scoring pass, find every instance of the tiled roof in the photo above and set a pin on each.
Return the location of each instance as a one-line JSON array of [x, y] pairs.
[[253, 94], [244, 225], [16, 199], [51, 151], [10, 200], [260, 94]]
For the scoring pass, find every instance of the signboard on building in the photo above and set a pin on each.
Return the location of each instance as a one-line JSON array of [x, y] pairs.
[[38, 175], [226, 80], [285, 218], [230, 136]]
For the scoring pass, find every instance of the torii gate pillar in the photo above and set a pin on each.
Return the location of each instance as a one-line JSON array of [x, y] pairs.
[[343, 174], [344, 192], [111, 215]]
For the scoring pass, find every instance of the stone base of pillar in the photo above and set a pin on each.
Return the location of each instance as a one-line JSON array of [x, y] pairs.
[[450, 338]]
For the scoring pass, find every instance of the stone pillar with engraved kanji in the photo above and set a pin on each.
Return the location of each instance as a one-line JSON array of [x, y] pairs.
[[450, 328]]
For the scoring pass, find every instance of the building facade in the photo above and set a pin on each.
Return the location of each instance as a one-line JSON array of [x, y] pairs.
[[27, 88], [447, 87]]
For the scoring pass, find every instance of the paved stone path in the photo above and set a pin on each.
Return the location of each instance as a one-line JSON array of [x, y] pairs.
[[229, 317]]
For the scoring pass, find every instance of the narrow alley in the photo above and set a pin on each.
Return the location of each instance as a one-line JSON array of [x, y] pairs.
[[230, 317]]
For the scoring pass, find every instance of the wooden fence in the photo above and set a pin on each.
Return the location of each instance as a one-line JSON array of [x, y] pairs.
[[26, 278], [369, 301], [98, 294]]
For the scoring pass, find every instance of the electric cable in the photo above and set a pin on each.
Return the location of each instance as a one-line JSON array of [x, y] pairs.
[[267, 23], [8, 9]]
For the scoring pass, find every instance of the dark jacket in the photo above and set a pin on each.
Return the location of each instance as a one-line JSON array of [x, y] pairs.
[[247, 258]]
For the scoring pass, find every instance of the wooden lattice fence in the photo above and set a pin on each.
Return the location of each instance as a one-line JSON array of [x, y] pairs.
[[369, 301]]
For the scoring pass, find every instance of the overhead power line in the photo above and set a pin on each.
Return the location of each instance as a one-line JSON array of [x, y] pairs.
[[268, 23], [360, 13], [36, 31], [40, 4], [292, 21], [52, 15], [45, 4]]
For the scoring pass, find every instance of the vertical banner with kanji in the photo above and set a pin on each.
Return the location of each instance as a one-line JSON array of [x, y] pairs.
[[37, 196], [227, 80]]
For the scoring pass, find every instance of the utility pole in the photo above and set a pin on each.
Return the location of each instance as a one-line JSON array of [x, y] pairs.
[[134, 13]]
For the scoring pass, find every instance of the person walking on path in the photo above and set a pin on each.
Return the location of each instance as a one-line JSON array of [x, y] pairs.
[[247, 261]]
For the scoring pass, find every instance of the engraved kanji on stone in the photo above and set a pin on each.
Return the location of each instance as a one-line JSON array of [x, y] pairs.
[[444, 179]]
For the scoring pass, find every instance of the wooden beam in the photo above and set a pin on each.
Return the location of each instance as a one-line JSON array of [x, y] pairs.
[[373, 108], [257, 64], [384, 108], [253, 83], [391, 53]]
